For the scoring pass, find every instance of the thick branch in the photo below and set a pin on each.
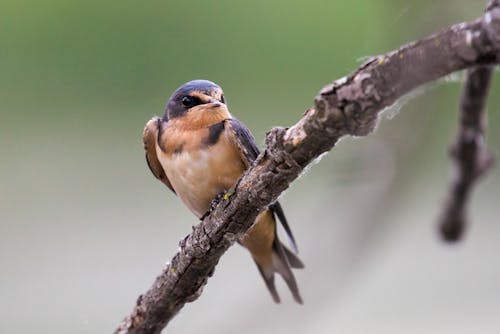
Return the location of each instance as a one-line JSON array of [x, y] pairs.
[[348, 106], [469, 151]]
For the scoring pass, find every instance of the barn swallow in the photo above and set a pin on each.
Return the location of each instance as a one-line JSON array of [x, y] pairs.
[[199, 150]]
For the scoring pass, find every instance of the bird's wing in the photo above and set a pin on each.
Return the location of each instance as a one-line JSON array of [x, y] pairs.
[[150, 140], [278, 211], [244, 140]]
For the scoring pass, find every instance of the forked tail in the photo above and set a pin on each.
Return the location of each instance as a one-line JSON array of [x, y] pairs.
[[282, 261]]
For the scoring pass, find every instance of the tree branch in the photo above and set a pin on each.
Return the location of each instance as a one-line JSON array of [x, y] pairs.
[[468, 151], [348, 106]]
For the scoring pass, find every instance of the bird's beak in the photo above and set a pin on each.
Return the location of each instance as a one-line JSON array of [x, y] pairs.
[[215, 104]]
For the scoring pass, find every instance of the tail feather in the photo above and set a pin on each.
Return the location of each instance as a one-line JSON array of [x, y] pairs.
[[293, 259], [281, 265], [282, 262], [268, 276], [271, 256]]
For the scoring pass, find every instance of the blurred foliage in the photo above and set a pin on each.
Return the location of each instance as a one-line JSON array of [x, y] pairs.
[[104, 60]]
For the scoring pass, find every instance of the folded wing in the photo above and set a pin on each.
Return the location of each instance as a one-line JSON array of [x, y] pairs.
[[152, 131]]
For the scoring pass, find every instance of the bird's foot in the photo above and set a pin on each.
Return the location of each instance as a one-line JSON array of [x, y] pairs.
[[213, 204], [220, 196]]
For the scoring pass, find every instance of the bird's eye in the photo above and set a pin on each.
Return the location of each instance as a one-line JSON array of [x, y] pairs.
[[190, 101], [222, 99]]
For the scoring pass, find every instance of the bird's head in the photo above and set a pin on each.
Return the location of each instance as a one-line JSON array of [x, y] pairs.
[[196, 99]]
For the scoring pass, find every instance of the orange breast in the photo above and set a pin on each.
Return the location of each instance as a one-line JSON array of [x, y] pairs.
[[197, 172]]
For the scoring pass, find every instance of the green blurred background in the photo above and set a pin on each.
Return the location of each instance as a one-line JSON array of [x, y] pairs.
[[85, 228]]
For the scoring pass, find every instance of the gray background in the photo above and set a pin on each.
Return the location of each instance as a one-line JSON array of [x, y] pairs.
[[85, 228]]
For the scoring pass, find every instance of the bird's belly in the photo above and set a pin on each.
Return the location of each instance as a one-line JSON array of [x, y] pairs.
[[198, 176]]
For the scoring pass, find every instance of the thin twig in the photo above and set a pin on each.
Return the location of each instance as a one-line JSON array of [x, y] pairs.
[[469, 152], [348, 106]]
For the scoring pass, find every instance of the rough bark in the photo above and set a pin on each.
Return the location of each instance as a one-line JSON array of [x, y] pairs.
[[348, 106]]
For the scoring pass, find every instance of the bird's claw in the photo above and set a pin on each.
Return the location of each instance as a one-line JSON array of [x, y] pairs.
[[216, 200], [213, 204]]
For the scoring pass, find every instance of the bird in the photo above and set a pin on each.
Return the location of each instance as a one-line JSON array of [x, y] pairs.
[[199, 151]]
